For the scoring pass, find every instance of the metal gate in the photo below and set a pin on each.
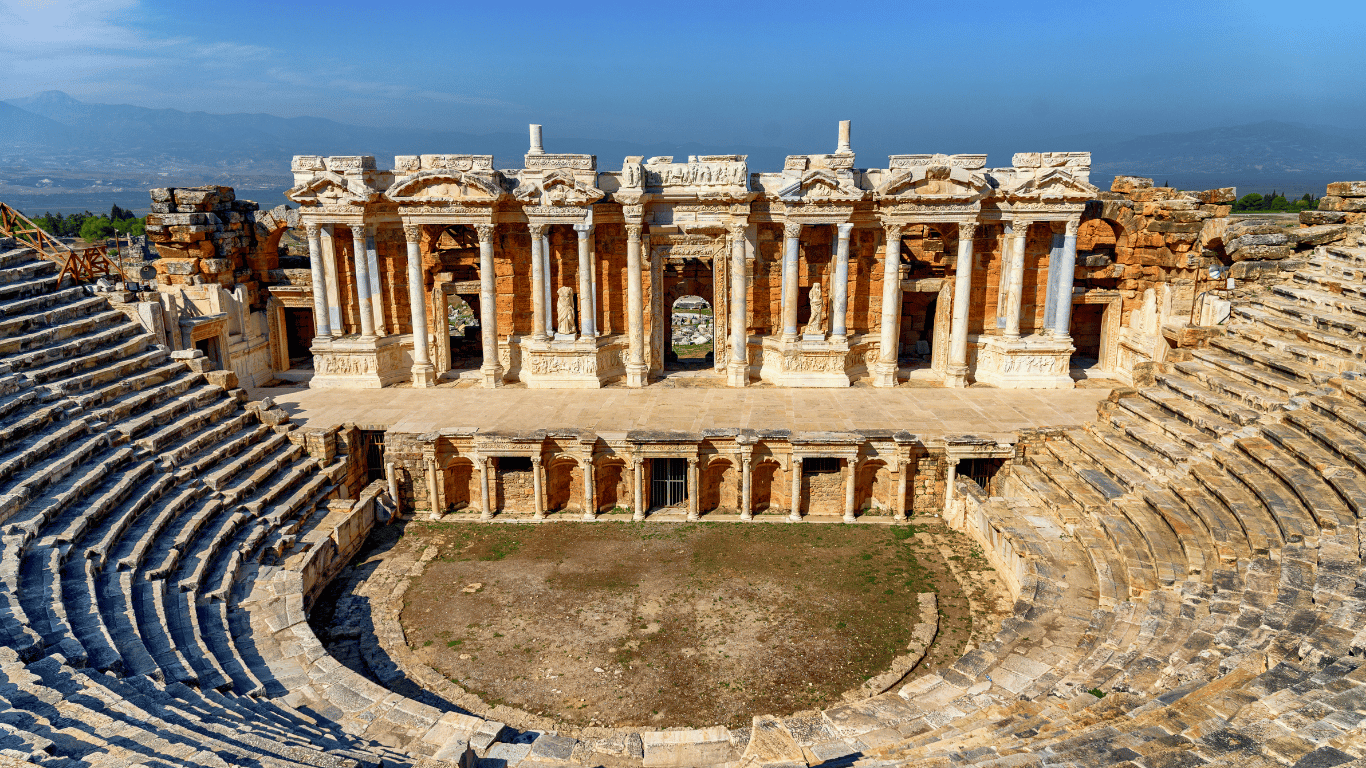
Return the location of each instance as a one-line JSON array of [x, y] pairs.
[[372, 448], [668, 482]]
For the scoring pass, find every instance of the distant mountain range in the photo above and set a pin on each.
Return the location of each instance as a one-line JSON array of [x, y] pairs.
[[52, 142]]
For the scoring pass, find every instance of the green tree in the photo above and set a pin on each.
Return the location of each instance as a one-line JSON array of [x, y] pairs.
[[96, 228]]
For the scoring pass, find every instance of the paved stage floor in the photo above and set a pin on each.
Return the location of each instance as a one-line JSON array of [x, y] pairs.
[[923, 411]]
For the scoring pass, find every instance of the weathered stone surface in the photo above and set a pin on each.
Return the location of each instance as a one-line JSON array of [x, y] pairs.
[[680, 749], [1347, 188], [1322, 217], [1346, 204], [1318, 235]]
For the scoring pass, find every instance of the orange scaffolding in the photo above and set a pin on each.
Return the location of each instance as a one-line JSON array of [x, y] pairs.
[[85, 264]]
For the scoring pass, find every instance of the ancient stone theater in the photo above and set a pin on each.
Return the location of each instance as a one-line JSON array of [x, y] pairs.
[[1144, 412]]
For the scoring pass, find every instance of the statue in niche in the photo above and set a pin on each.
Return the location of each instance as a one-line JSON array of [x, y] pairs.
[[816, 324], [564, 311]]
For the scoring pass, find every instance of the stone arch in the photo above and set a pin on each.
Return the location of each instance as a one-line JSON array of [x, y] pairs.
[[1096, 236], [460, 480], [719, 486], [767, 486], [563, 484], [873, 487], [611, 484]]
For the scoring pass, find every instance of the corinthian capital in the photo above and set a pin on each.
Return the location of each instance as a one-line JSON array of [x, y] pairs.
[[537, 230], [412, 233], [893, 232], [967, 229], [792, 229], [737, 229], [313, 230], [1072, 225], [485, 232], [633, 232]]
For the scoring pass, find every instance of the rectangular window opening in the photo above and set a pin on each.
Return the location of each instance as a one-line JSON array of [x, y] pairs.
[[514, 463], [820, 465]]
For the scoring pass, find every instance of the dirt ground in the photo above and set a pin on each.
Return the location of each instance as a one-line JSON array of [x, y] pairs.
[[628, 624]]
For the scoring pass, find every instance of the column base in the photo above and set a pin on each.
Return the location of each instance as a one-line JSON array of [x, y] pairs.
[[637, 374], [356, 362], [589, 517], [424, 376], [850, 518], [737, 373], [956, 376], [794, 517], [492, 375], [884, 374], [638, 516], [485, 516], [693, 517], [1032, 362]]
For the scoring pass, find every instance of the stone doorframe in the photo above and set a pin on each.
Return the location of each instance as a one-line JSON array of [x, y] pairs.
[[442, 288], [283, 297], [1110, 321], [833, 446], [943, 315]]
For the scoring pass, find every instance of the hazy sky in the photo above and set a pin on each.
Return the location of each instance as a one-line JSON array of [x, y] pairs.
[[739, 71]]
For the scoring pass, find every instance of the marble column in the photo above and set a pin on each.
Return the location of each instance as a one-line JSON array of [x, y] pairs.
[[746, 484], [322, 327], [539, 279], [424, 374], [1050, 305], [950, 476], [590, 505], [638, 489], [537, 489], [329, 258], [899, 503], [433, 501], [957, 373], [839, 306], [737, 369], [635, 310], [362, 264], [1019, 236], [586, 329], [889, 342], [694, 504], [792, 232], [795, 513], [492, 369], [549, 284], [376, 291], [850, 477], [485, 498], [1067, 271]]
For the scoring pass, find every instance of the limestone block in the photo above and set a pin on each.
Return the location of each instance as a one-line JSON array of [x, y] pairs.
[[771, 744], [1347, 188], [1220, 195], [1348, 204], [170, 265], [1126, 184], [1322, 217], [1242, 241], [683, 749], [161, 194], [1319, 235], [187, 354], [214, 266], [1252, 252], [224, 379], [195, 196]]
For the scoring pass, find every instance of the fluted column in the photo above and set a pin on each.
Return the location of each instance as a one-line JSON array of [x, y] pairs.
[[957, 374], [537, 489], [322, 328], [362, 264], [792, 233], [1050, 304], [590, 506], [746, 483], [376, 292], [424, 374], [485, 497], [1019, 235], [1067, 271], [586, 319], [737, 369], [851, 476], [839, 306], [492, 369], [635, 310], [538, 283], [884, 371], [795, 513], [694, 503], [638, 489]]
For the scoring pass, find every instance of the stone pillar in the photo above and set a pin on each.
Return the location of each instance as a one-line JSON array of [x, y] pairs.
[[694, 514], [1050, 304], [638, 489], [537, 489], [433, 502], [950, 475], [746, 483], [491, 370], [376, 291], [590, 505], [539, 278], [322, 328], [485, 498], [851, 476], [839, 305], [586, 324], [884, 371], [549, 287], [535, 148], [737, 369], [795, 513], [792, 232], [843, 147], [957, 373], [329, 257], [899, 503], [424, 374], [1067, 271], [1019, 234], [367, 315], [635, 311]]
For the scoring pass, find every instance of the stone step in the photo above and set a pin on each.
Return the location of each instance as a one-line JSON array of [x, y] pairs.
[[93, 339], [116, 611], [1233, 540], [1296, 351], [1159, 419], [1293, 519], [138, 392], [150, 609], [1307, 323], [1191, 534], [1157, 443], [12, 254], [1218, 381], [1326, 422], [12, 293], [52, 335], [191, 422], [133, 548], [1228, 409], [100, 359], [38, 302], [111, 370], [1272, 361], [1082, 493], [1083, 468], [1324, 300], [210, 446], [26, 270], [183, 623], [1240, 369], [40, 317], [1305, 483], [29, 452], [1342, 475], [1328, 282], [69, 528], [100, 542], [1121, 458], [1163, 546], [80, 595], [1250, 513]]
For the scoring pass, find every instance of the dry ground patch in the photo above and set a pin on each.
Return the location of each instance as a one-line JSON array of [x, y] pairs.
[[631, 624]]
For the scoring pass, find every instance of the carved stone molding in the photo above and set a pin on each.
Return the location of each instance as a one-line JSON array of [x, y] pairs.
[[485, 232], [792, 229], [412, 233]]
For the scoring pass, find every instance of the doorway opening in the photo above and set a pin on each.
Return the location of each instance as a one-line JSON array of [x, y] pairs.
[[299, 336], [372, 449], [1085, 329], [668, 482], [693, 327], [982, 471], [462, 324]]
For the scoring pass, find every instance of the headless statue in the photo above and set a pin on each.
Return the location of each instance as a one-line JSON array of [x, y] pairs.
[[564, 311], [817, 322]]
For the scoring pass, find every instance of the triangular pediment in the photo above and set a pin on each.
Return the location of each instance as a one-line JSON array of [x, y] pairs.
[[821, 184], [328, 188], [1055, 184], [557, 187], [935, 182], [445, 187]]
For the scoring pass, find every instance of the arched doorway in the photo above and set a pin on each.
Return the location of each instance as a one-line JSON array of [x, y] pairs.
[[692, 327]]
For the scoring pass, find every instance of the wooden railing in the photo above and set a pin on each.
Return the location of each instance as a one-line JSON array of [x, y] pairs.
[[84, 264]]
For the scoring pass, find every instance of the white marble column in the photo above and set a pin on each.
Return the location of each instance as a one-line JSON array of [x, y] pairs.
[[549, 284], [485, 497], [1050, 305], [590, 504], [539, 279], [694, 503], [850, 478], [537, 489], [957, 373], [950, 476], [889, 342], [433, 501], [492, 369], [638, 489], [1019, 236], [366, 314], [839, 306], [795, 513], [376, 291], [322, 327], [635, 310], [1067, 271], [792, 232], [586, 329], [899, 503], [746, 484], [424, 374], [328, 250], [737, 369]]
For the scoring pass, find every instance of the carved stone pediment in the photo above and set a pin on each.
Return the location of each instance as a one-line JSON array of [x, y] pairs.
[[558, 187], [446, 186], [944, 182], [332, 189], [1053, 185], [709, 177], [821, 185]]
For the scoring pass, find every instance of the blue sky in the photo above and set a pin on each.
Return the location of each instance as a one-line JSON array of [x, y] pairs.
[[736, 72]]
